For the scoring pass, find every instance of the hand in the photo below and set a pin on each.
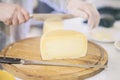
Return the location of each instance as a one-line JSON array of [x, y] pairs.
[[84, 10], [12, 14]]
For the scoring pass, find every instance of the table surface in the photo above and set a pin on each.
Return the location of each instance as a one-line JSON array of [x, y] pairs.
[[113, 70]]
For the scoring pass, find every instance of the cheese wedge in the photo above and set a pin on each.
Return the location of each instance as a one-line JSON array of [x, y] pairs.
[[6, 76], [52, 24], [63, 44]]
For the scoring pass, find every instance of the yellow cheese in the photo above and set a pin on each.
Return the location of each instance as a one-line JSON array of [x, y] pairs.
[[5, 76], [63, 44], [102, 36], [52, 24]]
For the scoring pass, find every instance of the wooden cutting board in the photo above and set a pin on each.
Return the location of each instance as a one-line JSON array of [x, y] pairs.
[[30, 49]]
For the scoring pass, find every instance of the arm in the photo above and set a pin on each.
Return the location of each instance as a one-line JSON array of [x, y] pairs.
[[77, 8]]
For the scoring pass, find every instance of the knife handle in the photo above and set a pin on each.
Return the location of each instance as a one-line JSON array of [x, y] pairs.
[[8, 60]]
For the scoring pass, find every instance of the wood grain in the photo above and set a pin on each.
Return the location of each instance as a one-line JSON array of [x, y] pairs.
[[30, 49]]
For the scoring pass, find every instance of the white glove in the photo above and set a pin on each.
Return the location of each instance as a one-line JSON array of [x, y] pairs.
[[12, 14], [84, 10]]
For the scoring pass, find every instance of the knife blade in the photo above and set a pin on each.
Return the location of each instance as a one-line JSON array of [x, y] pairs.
[[9, 60], [43, 17]]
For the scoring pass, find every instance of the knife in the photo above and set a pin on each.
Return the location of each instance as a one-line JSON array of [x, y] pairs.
[[8, 60], [43, 17]]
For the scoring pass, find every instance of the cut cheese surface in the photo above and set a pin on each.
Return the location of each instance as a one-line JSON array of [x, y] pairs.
[[53, 24], [63, 44]]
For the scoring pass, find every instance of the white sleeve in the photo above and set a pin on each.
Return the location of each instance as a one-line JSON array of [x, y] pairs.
[[58, 5]]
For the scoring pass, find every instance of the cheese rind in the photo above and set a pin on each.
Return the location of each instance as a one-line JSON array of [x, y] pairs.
[[63, 44]]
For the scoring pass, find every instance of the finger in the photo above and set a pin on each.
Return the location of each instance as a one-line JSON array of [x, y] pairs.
[[25, 14], [97, 20], [20, 17], [15, 19], [6, 18], [91, 19], [8, 22], [95, 16]]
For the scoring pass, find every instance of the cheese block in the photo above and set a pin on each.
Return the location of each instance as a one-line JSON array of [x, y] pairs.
[[6, 76], [52, 24], [63, 44], [102, 36]]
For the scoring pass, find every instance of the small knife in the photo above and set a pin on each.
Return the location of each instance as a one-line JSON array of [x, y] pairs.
[[8, 60]]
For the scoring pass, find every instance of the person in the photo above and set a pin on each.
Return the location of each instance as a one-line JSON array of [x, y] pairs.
[[19, 31], [77, 8], [18, 15], [12, 14]]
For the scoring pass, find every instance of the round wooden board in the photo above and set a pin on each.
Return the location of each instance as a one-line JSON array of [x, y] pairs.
[[30, 49]]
